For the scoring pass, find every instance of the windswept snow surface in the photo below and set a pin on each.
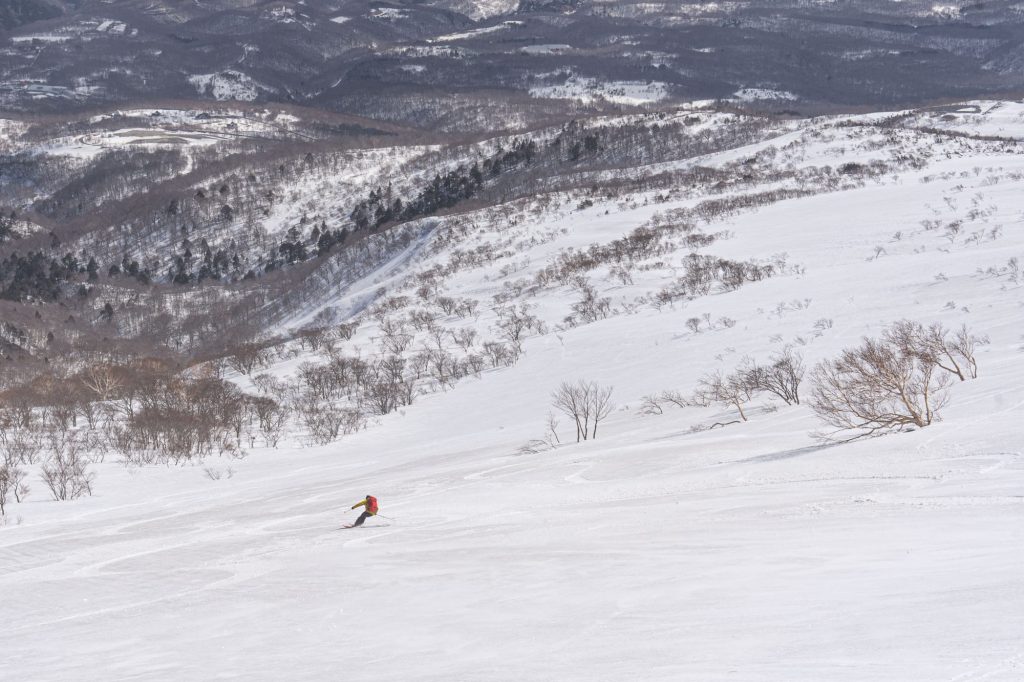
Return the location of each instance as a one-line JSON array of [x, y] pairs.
[[749, 552]]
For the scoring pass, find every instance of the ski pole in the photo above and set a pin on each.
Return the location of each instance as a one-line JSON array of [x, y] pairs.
[[389, 518]]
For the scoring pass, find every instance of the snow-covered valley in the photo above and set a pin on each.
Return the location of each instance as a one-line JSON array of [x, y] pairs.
[[680, 545]]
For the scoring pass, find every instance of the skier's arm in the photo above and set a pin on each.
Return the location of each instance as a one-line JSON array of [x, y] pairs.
[[359, 504]]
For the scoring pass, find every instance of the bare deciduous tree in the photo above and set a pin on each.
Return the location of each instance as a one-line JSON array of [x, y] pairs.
[[933, 344], [651, 405], [396, 337], [247, 357], [102, 380], [781, 376], [733, 389], [586, 403], [878, 386], [66, 471], [21, 446], [514, 323], [501, 353], [464, 338], [327, 422], [11, 483], [591, 307]]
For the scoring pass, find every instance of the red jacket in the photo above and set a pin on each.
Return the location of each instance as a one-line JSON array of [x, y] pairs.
[[370, 503]]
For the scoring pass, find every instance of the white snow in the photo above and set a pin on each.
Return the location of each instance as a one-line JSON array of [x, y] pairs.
[[587, 90], [999, 119], [504, 26], [226, 85], [948, 11], [41, 37], [389, 13], [484, 9], [754, 94], [167, 127], [749, 552], [553, 48]]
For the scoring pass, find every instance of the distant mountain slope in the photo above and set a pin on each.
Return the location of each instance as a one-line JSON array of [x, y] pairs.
[[461, 66], [15, 13]]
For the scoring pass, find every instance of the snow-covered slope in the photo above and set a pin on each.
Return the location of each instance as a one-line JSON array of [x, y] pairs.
[[658, 551]]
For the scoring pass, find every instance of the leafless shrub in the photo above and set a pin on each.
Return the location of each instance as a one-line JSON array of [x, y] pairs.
[[318, 380], [621, 273], [437, 363], [270, 385], [396, 337], [500, 353], [102, 380], [514, 324], [182, 418], [551, 435], [347, 331], [387, 306], [21, 445], [474, 363], [591, 307], [326, 422], [421, 320], [656, 404], [935, 345], [247, 357], [733, 389], [534, 446], [586, 403], [272, 417], [387, 387], [467, 307], [66, 472], [464, 338], [882, 385], [314, 339], [12, 484], [122, 440], [781, 376], [447, 304], [953, 230], [674, 398], [650, 404]]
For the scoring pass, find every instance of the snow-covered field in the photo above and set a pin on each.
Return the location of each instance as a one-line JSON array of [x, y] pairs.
[[164, 128], [757, 94], [503, 26], [588, 90], [657, 551], [227, 85]]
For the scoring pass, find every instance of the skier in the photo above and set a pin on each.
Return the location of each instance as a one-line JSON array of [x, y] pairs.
[[371, 509]]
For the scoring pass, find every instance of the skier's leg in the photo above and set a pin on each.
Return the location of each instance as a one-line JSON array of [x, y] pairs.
[[362, 517]]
